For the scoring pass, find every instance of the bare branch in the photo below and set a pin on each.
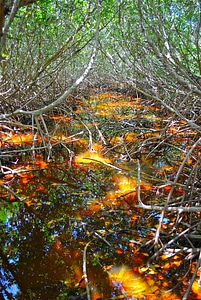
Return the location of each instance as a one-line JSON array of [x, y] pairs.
[[12, 15], [67, 92]]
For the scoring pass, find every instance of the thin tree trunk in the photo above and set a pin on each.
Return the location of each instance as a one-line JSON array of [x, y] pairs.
[[2, 3]]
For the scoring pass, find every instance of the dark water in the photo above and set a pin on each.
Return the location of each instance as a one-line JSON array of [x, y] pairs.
[[75, 216]]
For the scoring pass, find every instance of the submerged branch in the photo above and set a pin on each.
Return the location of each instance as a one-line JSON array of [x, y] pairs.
[[179, 209], [85, 271]]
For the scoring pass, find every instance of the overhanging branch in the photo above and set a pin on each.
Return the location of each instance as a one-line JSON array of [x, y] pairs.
[[67, 92]]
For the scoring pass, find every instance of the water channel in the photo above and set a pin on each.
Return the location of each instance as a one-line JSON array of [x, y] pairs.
[[71, 224]]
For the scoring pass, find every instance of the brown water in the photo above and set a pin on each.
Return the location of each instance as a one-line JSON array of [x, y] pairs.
[[69, 219]]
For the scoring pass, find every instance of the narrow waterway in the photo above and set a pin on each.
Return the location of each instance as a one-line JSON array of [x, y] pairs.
[[71, 222]]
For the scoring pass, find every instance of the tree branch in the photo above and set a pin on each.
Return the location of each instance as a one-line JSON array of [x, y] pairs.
[[14, 10], [67, 92]]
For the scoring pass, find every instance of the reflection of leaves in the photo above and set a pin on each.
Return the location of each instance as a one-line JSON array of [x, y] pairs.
[[3, 214], [7, 210]]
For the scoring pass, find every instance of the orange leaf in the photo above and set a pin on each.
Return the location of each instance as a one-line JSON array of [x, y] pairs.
[[41, 164], [40, 188], [12, 197], [196, 290]]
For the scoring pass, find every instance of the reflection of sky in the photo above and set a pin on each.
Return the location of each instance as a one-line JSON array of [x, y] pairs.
[[9, 224], [165, 220], [9, 287], [7, 281]]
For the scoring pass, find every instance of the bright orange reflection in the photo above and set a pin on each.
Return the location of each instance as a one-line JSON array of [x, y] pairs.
[[129, 283], [91, 157]]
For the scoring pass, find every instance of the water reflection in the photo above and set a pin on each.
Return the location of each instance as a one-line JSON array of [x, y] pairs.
[[44, 243], [67, 204]]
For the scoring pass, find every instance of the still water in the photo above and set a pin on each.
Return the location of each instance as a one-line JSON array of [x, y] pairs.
[[70, 228]]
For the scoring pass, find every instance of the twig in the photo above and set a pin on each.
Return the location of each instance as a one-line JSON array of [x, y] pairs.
[[170, 243], [85, 271], [102, 238], [11, 192], [141, 204]]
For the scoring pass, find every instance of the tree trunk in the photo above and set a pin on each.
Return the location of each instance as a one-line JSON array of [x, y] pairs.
[[1, 16], [9, 7]]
